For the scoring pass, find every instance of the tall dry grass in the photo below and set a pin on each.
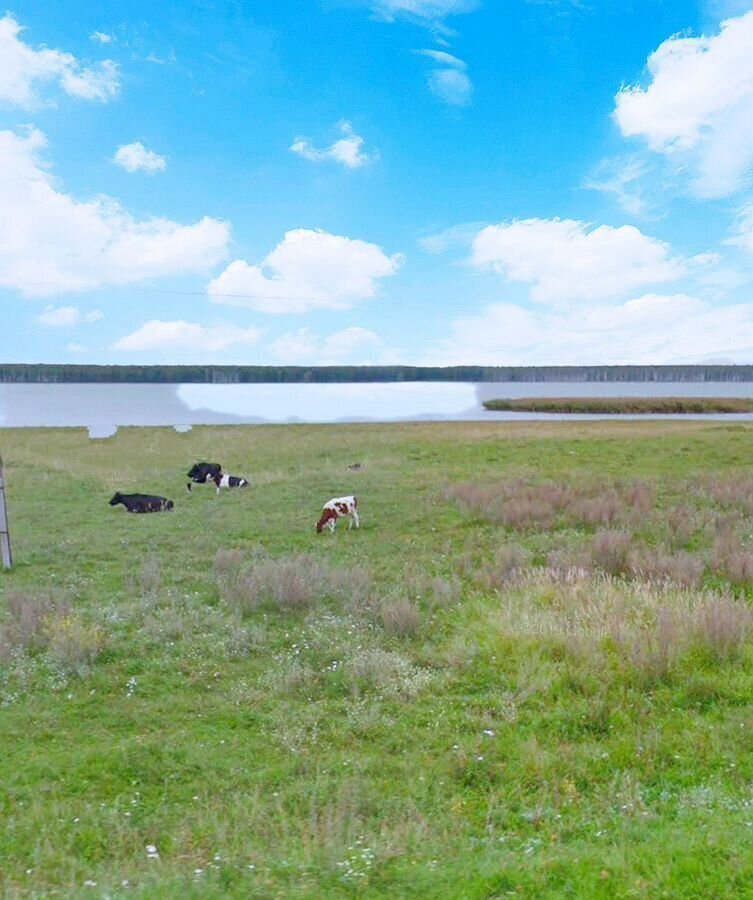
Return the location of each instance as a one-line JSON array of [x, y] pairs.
[[649, 625], [523, 506], [297, 582], [44, 623]]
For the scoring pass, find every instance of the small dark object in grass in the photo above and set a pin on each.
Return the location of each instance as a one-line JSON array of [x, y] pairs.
[[623, 405], [354, 467]]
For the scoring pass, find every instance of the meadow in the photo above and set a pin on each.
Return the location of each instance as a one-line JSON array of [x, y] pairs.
[[528, 674], [624, 405]]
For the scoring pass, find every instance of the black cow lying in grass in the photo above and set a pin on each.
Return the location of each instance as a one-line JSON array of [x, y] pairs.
[[203, 472], [141, 503]]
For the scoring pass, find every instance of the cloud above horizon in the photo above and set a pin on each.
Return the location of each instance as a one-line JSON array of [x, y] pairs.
[[347, 150], [649, 329], [136, 158], [52, 243], [448, 80], [307, 270], [697, 109], [171, 336], [25, 70], [563, 259], [67, 315]]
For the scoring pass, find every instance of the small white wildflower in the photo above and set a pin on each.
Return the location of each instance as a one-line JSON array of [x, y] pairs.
[[488, 732], [152, 852], [90, 883]]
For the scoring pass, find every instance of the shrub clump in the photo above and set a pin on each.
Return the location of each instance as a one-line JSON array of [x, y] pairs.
[[45, 623], [290, 583]]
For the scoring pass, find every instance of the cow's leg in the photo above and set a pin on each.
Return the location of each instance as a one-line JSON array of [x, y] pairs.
[[331, 524], [355, 518]]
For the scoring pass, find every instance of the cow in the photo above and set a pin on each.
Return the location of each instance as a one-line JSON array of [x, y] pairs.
[[228, 481], [141, 503], [202, 472], [335, 509]]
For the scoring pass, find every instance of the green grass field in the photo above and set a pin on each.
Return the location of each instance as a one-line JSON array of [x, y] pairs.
[[529, 673]]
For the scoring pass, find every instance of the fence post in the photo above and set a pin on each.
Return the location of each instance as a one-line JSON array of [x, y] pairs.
[[4, 532]]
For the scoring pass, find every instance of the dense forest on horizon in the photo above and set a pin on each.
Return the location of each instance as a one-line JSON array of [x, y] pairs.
[[16, 373]]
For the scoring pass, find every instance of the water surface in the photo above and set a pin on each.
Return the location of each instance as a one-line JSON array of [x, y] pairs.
[[102, 408]]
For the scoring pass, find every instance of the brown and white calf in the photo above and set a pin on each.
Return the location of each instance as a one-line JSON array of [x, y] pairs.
[[335, 509]]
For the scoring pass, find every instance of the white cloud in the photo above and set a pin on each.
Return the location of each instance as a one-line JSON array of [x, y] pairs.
[[100, 37], [621, 177], [698, 108], [353, 345], [75, 348], [179, 335], [564, 260], [650, 329], [25, 69], [67, 315], [136, 158], [452, 238], [449, 82], [307, 270], [52, 243], [743, 235], [431, 12], [347, 150]]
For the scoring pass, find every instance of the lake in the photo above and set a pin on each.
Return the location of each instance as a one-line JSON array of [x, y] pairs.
[[102, 408]]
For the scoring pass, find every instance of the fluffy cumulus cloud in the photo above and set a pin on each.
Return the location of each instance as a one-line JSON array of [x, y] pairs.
[[650, 329], [67, 315], [567, 260], [52, 243], [136, 158], [101, 37], [697, 109], [347, 150], [351, 345], [25, 70], [307, 270], [168, 337], [448, 80]]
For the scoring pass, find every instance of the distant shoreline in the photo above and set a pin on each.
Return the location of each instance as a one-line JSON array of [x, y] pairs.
[[39, 373], [623, 405]]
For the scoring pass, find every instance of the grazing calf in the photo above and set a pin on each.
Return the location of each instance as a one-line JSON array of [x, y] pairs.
[[141, 503], [202, 472], [335, 509], [228, 481]]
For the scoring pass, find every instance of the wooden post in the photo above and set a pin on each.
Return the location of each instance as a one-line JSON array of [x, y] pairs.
[[4, 532]]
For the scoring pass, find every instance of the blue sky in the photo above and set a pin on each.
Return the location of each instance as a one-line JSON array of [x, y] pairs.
[[377, 181]]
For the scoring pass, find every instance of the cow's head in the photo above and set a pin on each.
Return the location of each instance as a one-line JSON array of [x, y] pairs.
[[326, 516], [117, 497]]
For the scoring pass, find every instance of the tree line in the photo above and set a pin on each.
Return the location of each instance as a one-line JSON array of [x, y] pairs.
[[39, 373]]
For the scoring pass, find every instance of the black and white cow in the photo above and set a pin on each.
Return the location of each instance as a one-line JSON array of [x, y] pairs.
[[228, 481], [203, 472], [141, 503]]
